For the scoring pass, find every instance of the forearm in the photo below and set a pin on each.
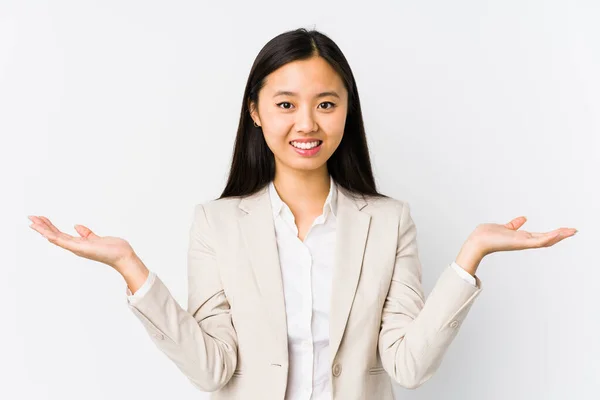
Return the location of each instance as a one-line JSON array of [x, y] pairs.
[[416, 334], [200, 341]]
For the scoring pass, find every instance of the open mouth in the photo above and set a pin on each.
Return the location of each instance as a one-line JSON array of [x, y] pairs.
[[306, 145], [307, 148]]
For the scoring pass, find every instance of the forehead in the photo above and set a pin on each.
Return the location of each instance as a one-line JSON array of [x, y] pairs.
[[304, 77]]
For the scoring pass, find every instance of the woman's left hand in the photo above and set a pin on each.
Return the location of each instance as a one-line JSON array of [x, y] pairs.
[[491, 238]]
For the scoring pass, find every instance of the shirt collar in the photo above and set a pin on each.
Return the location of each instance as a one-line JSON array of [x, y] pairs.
[[329, 206]]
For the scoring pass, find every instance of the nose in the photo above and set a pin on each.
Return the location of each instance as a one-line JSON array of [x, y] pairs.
[[305, 121]]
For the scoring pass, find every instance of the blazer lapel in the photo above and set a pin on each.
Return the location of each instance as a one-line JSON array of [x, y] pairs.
[[352, 228], [258, 231]]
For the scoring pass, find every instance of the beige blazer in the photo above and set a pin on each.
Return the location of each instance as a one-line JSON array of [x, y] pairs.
[[232, 339]]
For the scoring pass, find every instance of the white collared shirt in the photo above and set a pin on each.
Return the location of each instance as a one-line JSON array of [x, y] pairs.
[[306, 270]]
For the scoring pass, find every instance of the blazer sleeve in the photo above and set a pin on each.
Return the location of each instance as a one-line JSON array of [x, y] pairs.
[[415, 333], [201, 340]]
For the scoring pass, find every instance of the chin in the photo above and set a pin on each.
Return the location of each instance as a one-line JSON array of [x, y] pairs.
[[306, 165]]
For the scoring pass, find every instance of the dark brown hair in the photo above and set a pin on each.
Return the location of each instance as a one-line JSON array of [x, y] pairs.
[[253, 163]]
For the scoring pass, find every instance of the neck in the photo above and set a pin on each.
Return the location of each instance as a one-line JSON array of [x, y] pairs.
[[303, 189]]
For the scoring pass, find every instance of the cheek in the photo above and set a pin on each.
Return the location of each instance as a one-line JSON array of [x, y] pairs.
[[333, 142], [335, 132], [276, 133], [275, 128], [276, 138], [275, 120]]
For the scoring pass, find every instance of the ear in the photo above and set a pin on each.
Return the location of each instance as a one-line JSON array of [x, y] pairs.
[[252, 109]]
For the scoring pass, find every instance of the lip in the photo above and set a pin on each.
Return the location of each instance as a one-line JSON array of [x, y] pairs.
[[307, 140]]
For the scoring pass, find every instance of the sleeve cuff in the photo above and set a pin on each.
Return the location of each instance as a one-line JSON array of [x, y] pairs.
[[142, 290], [464, 274]]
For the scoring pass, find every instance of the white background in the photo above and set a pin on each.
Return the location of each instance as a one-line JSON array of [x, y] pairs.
[[121, 115]]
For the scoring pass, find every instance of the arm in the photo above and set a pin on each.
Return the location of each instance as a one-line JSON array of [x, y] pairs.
[[201, 340], [415, 333]]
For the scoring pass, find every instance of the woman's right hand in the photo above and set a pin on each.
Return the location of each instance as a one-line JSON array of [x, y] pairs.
[[108, 250]]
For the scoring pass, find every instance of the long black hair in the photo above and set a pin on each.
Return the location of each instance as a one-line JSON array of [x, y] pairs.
[[253, 163]]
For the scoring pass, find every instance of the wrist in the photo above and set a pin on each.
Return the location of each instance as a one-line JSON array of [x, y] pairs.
[[135, 273], [130, 265], [469, 257]]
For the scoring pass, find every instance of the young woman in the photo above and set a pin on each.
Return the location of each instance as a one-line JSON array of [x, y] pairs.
[[304, 280]]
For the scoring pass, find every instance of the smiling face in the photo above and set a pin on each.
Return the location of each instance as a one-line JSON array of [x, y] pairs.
[[302, 111]]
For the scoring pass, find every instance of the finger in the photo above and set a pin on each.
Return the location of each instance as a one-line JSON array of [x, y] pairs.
[[542, 241], [551, 238], [38, 226], [85, 231], [557, 238], [60, 239], [43, 221], [36, 220], [82, 230], [565, 232], [65, 243], [43, 229], [544, 234], [530, 240], [50, 225], [516, 223]]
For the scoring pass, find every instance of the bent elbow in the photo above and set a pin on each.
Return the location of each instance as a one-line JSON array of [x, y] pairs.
[[414, 383], [209, 379], [411, 381], [209, 385], [413, 372]]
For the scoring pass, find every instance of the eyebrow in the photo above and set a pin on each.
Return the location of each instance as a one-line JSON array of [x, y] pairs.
[[322, 94]]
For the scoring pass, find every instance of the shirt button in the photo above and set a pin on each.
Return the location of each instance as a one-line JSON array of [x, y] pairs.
[[454, 324], [337, 369], [306, 344]]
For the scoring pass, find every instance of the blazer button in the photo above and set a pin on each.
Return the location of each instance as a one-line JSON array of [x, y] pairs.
[[159, 336], [337, 369], [454, 324]]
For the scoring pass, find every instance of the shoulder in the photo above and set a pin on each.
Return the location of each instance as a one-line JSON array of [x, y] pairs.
[[392, 213], [387, 206], [217, 210]]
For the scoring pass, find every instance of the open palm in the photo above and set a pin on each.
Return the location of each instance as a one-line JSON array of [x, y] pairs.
[[105, 249], [506, 237]]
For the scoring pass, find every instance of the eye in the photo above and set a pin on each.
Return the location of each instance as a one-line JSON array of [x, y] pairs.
[[285, 102], [286, 105], [328, 102]]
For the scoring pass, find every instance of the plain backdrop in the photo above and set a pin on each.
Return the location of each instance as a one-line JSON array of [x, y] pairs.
[[121, 116]]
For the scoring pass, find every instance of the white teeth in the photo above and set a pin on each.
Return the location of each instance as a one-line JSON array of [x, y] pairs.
[[305, 145]]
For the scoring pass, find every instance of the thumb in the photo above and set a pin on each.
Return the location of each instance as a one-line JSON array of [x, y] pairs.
[[85, 232], [516, 223]]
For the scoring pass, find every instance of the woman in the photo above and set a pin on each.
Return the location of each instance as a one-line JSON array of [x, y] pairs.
[[304, 280]]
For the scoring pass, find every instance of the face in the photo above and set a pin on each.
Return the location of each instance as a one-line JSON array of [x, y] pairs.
[[302, 111]]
